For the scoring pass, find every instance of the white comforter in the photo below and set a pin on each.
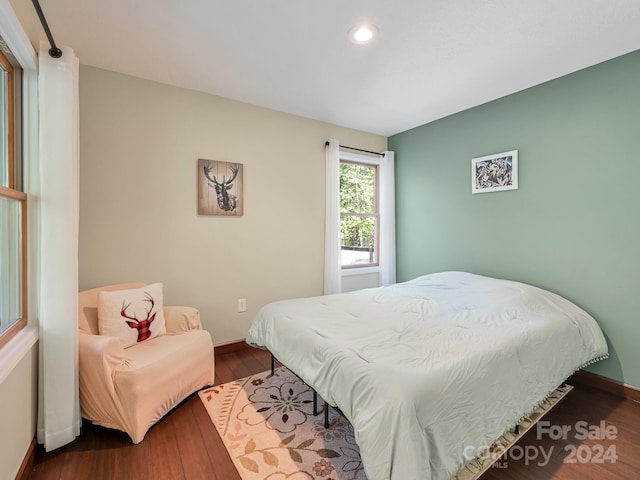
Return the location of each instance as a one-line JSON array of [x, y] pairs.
[[431, 369]]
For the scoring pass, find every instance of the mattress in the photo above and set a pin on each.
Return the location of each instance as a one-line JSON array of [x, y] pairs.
[[431, 371]]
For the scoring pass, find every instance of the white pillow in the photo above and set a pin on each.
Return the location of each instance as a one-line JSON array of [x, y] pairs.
[[133, 315]]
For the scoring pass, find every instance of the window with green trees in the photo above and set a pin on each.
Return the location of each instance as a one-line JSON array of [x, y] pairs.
[[13, 203], [358, 214]]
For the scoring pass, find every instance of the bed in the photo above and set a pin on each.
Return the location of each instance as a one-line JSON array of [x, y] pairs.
[[430, 369]]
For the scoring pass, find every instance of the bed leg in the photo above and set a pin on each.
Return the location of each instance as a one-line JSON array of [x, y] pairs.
[[315, 402], [516, 430], [273, 364], [326, 415]]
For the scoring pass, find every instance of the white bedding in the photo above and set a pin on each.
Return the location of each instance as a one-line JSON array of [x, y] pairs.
[[432, 368]]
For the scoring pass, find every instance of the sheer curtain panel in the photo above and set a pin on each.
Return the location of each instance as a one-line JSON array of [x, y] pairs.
[[332, 267], [58, 402], [387, 220]]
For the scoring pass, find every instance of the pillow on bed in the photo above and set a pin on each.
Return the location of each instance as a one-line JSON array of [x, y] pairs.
[[133, 315]]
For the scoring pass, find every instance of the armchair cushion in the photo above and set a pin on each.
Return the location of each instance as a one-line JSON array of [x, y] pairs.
[[182, 319], [132, 315]]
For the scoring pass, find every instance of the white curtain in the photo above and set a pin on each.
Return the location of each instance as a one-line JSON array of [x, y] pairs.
[[332, 267], [58, 402], [387, 220]]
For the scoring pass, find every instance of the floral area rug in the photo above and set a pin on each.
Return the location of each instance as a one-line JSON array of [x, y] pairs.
[[267, 425]]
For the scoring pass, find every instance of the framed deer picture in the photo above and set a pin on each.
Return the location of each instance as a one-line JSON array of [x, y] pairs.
[[220, 188]]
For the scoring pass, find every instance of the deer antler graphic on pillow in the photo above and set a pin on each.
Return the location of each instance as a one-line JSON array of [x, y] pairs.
[[143, 326]]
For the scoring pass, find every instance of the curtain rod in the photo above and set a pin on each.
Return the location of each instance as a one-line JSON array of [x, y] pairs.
[[381, 154], [54, 51]]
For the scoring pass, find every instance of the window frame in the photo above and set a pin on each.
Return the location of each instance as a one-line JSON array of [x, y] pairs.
[[14, 105], [17, 42], [357, 159], [6, 64]]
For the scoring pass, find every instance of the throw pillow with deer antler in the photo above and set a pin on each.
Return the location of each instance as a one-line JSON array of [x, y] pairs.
[[133, 315]]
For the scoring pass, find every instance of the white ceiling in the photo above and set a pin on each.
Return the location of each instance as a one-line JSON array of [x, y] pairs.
[[431, 58]]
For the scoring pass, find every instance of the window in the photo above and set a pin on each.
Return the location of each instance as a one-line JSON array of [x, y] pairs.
[[359, 214], [13, 202]]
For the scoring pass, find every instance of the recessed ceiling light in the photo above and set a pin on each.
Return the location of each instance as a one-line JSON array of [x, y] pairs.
[[362, 34]]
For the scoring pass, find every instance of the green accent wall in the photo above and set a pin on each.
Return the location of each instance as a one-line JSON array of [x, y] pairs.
[[573, 225]]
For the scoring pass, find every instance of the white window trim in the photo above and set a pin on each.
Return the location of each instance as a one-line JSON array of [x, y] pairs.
[[359, 158], [347, 272], [13, 34], [365, 160], [15, 350]]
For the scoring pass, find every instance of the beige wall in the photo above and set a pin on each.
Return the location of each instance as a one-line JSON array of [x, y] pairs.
[[140, 142], [19, 397]]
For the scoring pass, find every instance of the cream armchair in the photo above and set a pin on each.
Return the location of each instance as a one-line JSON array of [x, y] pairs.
[[130, 389]]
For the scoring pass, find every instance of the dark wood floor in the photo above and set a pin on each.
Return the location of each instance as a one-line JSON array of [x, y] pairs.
[[185, 444]]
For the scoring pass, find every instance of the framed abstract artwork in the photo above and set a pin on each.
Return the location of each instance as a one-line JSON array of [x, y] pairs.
[[494, 173]]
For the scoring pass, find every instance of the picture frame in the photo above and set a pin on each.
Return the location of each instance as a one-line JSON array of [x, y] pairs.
[[495, 173], [220, 188]]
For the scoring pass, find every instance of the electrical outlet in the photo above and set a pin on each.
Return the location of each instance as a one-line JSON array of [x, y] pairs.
[[242, 305]]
